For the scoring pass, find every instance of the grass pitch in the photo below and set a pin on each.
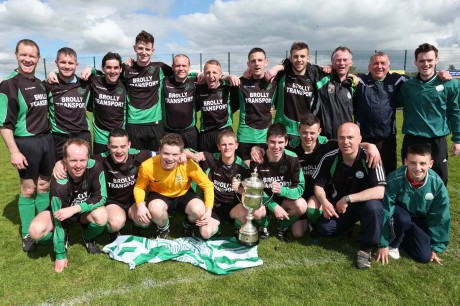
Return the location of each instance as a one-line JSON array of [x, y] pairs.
[[294, 273]]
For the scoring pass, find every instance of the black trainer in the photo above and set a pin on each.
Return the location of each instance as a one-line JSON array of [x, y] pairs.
[[164, 234], [283, 234], [92, 247], [264, 234], [113, 236], [28, 244]]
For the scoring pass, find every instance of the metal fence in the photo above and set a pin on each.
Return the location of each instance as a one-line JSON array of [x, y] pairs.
[[235, 62]]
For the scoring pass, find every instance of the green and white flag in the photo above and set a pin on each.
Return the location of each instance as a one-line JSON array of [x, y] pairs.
[[217, 256]]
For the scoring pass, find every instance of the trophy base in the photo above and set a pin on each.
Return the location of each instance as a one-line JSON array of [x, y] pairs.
[[248, 239]]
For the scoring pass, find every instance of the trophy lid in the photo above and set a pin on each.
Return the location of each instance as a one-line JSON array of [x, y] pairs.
[[254, 181]]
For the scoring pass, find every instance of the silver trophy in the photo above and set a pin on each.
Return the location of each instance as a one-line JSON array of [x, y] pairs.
[[252, 199]]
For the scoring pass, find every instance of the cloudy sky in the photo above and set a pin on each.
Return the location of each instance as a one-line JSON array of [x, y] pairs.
[[193, 26]]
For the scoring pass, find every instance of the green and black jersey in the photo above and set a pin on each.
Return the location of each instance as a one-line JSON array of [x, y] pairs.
[[120, 178], [23, 106], [256, 98], [221, 175], [67, 103], [216, 105], [309, 161], [296, 95], [109, 107], [287, 172], [178, 105], [90, 193], [144, 89]]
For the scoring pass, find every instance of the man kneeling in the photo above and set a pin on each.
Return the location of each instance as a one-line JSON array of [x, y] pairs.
[[80, 197], [169, 186]]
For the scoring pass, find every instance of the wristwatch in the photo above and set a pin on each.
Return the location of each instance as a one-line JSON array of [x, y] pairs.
[[347, 199]]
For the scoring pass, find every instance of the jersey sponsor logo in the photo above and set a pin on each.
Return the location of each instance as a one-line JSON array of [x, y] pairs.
[[123, 182], [429, 196], [79, 198], [359, 174], [143, 82], [301, 90], [109, 100], [268, 181], [213, 105], [222, 186]]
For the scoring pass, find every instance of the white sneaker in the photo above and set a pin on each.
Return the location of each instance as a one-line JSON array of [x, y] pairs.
[[393, 253]]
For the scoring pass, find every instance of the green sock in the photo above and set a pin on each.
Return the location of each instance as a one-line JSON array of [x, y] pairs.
[[26, 213], [264, 222], [313, 215], [164, 228], [42, 201], [47, 239], [110, 230], [92, 230], [287, 223]]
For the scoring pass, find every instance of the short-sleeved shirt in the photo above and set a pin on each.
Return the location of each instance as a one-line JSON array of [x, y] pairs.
[[339, 180], [216, 105], [179, 104], [145, 90], [309, 162], [67, 103], [256, 98], [120, 178], [23, 106], [222, 175]]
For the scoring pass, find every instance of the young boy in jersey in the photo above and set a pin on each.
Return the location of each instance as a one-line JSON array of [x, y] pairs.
[[256, 99], [223, 169], [217, 106], [68, 98], [169, 185], [284, 182], [80, 197], [417, 201]]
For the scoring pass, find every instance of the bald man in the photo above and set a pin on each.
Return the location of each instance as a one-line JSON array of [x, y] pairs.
[[349, 191]]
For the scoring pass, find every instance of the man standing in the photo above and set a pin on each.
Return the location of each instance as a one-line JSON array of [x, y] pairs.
[[217, 106], [296, 89], [144, 80], [178, 104], [256, 99], [417, 201], [284, 182], [80, 197], [374, 105], [68, 99], [350, 191], [334, 105], [25, 129], [169, 184], [431, 110]]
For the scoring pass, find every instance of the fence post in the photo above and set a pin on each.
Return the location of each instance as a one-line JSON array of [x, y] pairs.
[[316, 56], [286, 54], [228, 62], [201, 62], [44, 64], [172, 58], [405, 59], [94, 62]]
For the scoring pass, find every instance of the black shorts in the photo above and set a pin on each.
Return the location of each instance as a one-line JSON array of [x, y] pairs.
[[39, 152], [60, 139], [207, 141], [387, 150], [124, 206], [221, 212], [189, 136], [145, 137], [173, 203], [244, 149]]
